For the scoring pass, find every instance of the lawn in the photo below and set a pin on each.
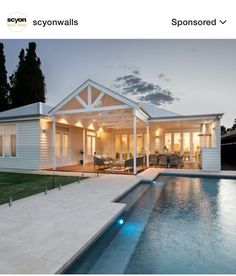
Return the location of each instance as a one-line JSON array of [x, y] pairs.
[[19, 185]]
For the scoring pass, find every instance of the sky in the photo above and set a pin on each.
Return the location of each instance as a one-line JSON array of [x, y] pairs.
[[183, 76]]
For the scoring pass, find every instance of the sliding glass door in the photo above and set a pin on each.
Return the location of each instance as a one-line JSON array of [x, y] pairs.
[[124, 145]]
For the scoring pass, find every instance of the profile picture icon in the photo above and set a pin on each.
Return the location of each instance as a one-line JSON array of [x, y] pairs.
[[17, 22]]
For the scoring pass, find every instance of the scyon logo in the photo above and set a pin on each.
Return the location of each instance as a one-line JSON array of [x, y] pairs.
[[17, 22]]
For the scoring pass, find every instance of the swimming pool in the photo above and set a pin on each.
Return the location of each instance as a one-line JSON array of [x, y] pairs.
[[176, 225]]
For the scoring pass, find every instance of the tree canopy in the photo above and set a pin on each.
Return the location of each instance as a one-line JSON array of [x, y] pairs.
[[27, 82], [4, 86]]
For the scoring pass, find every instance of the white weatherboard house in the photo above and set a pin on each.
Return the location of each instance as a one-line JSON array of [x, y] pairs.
[[96, 119]]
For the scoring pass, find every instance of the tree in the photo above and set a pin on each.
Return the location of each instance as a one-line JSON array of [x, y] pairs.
[[234, 125], [4, 86], [27, 82], [223, 130], [18, 95]]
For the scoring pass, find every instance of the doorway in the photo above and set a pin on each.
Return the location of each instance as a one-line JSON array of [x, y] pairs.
[[62, 146], [91, 145]]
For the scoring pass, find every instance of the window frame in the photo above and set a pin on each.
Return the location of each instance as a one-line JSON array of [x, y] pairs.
[[9, 134]]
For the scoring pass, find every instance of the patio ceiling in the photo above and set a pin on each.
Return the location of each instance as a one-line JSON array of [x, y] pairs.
[[110, 119]]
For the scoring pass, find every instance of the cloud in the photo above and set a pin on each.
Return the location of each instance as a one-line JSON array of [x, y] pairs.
[[158, 98], [163, 77], [133, 84], [136, 72]]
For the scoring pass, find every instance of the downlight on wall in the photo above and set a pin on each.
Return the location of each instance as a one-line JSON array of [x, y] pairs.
[[157, 134], [79, 124], [63, 121], [91, 126], [99, 133]]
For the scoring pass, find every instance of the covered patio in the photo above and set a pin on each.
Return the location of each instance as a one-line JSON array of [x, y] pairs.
[[90, 124], [97, 130]]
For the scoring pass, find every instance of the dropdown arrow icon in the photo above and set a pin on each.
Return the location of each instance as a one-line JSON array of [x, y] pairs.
[[223, 22]]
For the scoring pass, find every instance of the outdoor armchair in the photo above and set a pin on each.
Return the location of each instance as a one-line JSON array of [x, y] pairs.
[[163, 160]]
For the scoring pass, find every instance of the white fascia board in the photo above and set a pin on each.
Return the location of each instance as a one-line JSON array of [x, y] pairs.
[[21, 119], [97, 109], [143, 117], [186, 118]]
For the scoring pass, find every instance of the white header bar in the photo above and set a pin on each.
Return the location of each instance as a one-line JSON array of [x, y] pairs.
[[118, 19]]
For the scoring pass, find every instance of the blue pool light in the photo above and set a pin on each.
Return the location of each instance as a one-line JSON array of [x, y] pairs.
[[154, 182], [120, 221]]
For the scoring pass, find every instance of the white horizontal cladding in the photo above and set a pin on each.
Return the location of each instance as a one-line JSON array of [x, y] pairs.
[[45, 144], [211, 159], [92, 109], [27, 147]]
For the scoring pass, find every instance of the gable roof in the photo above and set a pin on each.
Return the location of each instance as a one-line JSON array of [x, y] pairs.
[[30, 110], [101, 88]]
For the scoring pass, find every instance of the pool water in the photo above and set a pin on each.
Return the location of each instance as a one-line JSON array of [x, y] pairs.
[[177, 225]]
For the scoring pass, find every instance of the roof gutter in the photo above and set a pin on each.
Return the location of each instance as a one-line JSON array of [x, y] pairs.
[[22, 118], [187, 117]]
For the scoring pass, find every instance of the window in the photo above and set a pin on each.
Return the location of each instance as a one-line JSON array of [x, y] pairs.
[[8, 141], [177, 140], [124, 143], [168, 141], [186, 141], [117, 143], [196, 141], [139, 144], [64, 145], [131, 144], [13, 145]]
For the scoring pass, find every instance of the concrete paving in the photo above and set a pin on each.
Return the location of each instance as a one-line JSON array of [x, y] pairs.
[[42, 234]]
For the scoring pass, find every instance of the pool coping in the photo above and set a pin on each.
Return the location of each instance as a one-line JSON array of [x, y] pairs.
[[90, 242]]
